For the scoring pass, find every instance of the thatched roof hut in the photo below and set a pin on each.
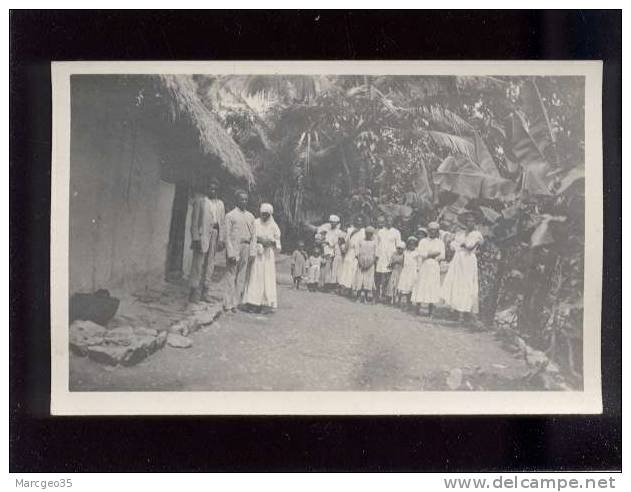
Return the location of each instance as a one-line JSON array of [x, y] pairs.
[[213, 138]]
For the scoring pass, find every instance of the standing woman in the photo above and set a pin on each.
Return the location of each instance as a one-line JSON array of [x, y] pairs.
[[431, 252], [354, 234], [260, 291], [460, 287]]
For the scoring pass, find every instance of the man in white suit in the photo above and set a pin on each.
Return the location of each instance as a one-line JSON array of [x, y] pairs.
[[207, 237]]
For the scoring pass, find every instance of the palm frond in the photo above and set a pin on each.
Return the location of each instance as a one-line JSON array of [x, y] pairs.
[[454, 143], [449, 119]]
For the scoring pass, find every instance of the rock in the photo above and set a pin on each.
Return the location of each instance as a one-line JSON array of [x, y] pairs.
[[179, 341], [161, 339], [180, 328], [110, 354], [141, 348], [141, 330], [207, 316], [147, 342], [123, 335], [83, 334], [128, 354], [87, 328]]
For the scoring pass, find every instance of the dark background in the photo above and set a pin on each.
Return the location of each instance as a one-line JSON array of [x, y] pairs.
[[41, 443]]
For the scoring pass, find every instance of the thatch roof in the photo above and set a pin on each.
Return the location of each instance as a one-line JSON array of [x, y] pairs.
[[213, 138]]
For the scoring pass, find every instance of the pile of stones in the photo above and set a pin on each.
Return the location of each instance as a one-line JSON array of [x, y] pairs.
[[124, 345], [128, 345]]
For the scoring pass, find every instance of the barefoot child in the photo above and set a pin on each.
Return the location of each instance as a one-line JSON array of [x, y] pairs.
[[338, 262], [408, 272], [313, 266], [366, 260], [431, 251], [395, 265], [299, 264]]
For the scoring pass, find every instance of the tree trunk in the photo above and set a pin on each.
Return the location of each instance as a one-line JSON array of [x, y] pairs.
[[177, 232]]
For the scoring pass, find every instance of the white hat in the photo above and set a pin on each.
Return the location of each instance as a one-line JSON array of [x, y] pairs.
[[433, 225], [333, 218], [267, 208], [400, 244]]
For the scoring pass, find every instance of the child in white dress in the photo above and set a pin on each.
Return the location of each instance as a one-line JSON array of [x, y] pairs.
[[409, 271], [314, 264]]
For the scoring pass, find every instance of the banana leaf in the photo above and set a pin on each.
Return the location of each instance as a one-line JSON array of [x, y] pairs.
[[567, 182], [490, 215], [535, 178], [530, 157], [462, 176], [450, 213], [422, 186], [542, 235], [483, 157], [539, 127]]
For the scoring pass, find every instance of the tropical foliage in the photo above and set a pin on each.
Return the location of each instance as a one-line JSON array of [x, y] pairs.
[[423, 148]]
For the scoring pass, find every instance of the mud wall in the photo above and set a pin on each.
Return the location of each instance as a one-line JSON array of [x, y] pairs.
[[120, 209]]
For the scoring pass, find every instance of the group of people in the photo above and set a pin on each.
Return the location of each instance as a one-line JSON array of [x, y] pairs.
[[370, 264], [374, 264], [250, 244]]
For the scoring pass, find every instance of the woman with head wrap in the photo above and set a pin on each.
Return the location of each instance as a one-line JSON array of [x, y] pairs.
[[431, 251], [260, 291], [460, 287]]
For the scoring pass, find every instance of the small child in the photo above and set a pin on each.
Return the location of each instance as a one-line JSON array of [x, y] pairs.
[[409, 270], [338, 261], [313, 269], [395, 265], [299, 264], [366, 260]]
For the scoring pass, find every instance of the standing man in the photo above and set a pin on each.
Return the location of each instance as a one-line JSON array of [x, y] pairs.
[[387, 239], [331, 251], [207, 237], [240, 246]]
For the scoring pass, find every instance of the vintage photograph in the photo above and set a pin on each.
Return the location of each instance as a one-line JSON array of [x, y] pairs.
[[336, 231]]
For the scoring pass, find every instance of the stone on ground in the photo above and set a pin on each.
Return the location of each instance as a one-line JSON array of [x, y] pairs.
[[84, 334], [179, 341]]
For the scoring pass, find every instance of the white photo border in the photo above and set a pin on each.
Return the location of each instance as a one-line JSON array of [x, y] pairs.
[[586, 401]]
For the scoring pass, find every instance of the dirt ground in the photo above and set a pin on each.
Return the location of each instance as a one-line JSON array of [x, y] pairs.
[[314, 341]]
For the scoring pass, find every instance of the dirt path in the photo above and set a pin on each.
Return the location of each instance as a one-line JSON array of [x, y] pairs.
[[314, 341]]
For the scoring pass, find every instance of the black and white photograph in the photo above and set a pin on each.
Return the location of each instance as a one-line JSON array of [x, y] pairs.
[[422, 237]]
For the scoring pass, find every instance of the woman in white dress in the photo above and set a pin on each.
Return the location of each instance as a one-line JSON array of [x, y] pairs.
[[354, 235], [260, 291], [431, 251], [460, 287]]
